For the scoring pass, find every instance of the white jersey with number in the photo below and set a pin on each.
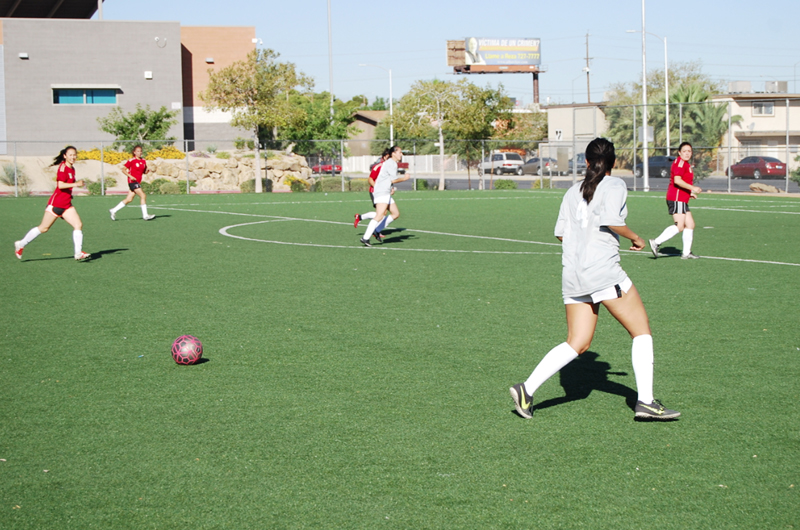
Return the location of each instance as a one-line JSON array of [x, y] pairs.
[[590, 251], [383, 184]]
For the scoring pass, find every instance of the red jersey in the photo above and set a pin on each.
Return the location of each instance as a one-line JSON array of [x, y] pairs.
[[63, 198], [681, 169], [376, 170], [136, 167]]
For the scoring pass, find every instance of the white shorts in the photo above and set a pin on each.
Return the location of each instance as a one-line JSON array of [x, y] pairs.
[[382, 199], [610, 293]]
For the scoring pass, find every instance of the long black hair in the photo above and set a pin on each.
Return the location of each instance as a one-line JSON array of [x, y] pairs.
[[62, 155], [600, 158]]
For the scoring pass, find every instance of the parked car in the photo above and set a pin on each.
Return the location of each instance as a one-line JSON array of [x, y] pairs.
[[326, 168], [758, 166], [659, 166], [540, 166], [499, 163], [401, 167], [581, 168]]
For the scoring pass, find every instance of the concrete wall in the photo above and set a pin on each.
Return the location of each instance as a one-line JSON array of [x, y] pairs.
[[84, 53]]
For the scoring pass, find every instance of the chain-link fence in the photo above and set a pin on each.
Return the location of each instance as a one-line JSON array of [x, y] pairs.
[[735, 141]]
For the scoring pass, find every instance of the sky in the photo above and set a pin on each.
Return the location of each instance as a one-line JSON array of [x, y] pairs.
[[735, 40]]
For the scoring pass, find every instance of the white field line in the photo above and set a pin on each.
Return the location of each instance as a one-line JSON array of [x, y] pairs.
[[273, 218]]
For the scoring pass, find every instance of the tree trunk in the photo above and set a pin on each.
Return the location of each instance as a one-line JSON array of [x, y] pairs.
[[259, 184]]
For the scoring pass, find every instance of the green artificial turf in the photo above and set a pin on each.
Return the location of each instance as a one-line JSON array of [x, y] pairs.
[[352, 387]]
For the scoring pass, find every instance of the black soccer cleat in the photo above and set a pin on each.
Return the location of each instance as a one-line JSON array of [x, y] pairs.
[[365, 242], [654, 411], [522, 401]]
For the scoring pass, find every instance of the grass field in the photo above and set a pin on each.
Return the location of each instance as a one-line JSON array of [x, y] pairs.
[[352, 387]]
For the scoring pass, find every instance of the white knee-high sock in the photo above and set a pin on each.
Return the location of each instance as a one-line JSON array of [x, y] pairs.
[[370, 229], [555, 360], [77, 240], [118, 207], [642, 359], [688, 237], [32, 234], [368, 215], [144, 210], [668, 233]]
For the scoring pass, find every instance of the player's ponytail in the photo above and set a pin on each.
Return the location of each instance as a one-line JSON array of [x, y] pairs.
[[600, 158], [62, 155]]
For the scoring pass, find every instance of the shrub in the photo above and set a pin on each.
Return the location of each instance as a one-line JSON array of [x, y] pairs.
[[23, 181], [505, 184], [358, 184], [95, 187], [211, 149], [540, 184], [239, 142], [329, 184], [167, 153], [182, 186], [297, 184], [422, 184], [109, 156], [251, 144], [170, 188], [224, 155], [249, 186], [153, 188]]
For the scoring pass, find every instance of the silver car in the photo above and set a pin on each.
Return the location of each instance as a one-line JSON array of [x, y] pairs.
[[499, 163]]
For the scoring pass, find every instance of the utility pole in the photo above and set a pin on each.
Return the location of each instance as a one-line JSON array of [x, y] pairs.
[[588, 91]]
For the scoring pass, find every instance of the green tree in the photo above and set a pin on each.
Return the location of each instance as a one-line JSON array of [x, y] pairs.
[[315, 123], [257, 92], [143, 125]]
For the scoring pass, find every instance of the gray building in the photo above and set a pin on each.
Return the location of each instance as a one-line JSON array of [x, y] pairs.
[[57, 76]]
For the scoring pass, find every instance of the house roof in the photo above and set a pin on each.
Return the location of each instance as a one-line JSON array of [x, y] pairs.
[[370, 116], [81, 9]]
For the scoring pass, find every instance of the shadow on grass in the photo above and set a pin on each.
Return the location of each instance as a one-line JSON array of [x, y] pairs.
[[585, 374], [395, 235], [668, 252], [95, 255]]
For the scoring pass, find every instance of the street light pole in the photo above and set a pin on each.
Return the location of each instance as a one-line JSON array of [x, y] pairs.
[[391, 103], [645, 158], [666, 78]]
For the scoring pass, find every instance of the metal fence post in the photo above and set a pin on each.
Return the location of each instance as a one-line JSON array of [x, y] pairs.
[[102, 172], [634, 148], [786, 165], [730, 160], [415, 165], [341, 157], [16, 186], [483, 156], [186, 152], [680, 122]]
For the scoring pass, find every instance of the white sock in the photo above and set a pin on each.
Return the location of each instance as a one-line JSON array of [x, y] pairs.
[[668, 233], [688, 237], [370, 229], [555, 360], [144, 210], [77, 240], [32, 234], [370, 215], [642, 359], [118, 207]]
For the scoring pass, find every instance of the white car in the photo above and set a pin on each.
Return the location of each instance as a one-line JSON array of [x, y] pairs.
[[499, 163]]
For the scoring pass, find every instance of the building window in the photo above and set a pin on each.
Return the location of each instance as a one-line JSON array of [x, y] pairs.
[[84, 96], [763, 108]]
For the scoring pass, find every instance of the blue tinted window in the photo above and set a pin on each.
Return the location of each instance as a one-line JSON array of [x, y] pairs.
[[68, 97], [101, 97]]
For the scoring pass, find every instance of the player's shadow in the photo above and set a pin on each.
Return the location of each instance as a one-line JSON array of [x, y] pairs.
[[668, 252], [395, 235], [95, 255], [585, 374]]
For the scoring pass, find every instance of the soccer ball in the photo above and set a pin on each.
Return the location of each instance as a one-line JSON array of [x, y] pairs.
[[187, 349]]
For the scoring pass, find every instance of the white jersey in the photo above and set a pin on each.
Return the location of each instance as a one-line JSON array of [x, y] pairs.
[[590, 251], [383, 184]]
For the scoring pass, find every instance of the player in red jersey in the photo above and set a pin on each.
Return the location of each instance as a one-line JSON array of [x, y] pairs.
[[60, 205], [134, 169], [680, 191], [373, 175]]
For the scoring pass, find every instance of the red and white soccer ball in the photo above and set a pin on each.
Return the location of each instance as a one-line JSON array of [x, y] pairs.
[[187, 349]]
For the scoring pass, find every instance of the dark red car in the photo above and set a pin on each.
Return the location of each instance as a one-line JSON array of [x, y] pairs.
[[757, 167], [326, 168]]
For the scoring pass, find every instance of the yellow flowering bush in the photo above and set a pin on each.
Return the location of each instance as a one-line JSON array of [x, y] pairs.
[[167, 153], [296, 183], [109, 157]]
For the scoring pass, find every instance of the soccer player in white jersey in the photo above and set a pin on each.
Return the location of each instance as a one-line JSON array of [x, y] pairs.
[[382, 195], [590, 222]]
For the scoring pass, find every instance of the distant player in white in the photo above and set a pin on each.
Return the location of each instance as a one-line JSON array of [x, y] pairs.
[[382, 195], [590, 221]]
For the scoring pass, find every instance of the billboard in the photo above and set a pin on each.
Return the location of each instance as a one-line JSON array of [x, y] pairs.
[[506, 52]]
